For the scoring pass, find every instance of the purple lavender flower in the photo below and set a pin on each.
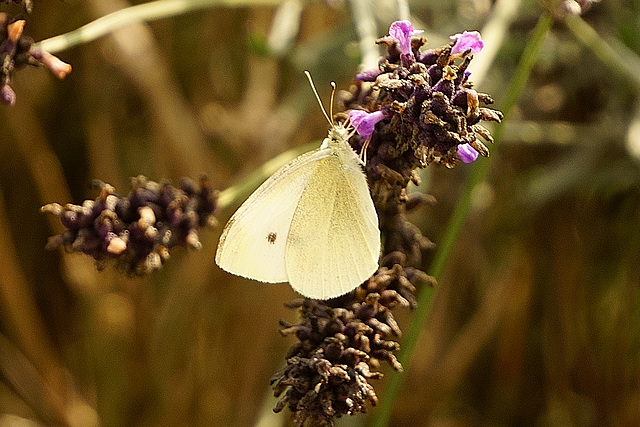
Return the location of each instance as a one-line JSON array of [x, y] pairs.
[[467, 154], [402, 31], [7, 95], [465, 41], [364, 122], [424, 110], [368, 75], [58, 67]]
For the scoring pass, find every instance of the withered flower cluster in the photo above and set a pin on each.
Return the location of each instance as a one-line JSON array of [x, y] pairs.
[[137, 231], [329, 368], [18, 51], [417, 108]]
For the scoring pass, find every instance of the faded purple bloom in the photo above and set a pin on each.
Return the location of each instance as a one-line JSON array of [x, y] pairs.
[[58, 67], [402, 32], [7, 95], [465, 41], [364, 122], [467, 154], [368, 75]]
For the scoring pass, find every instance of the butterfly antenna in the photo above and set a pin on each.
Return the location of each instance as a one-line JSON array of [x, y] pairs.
[[318, 97], [333, 94]]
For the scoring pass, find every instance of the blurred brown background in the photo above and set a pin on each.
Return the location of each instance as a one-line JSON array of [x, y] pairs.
[[536, 321]]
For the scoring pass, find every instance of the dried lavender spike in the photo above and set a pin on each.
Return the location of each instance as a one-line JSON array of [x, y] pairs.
[[136, 232], [417, 108]]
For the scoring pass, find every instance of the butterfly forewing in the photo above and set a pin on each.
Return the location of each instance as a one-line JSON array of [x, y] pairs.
[[331, 251], [254, 240]]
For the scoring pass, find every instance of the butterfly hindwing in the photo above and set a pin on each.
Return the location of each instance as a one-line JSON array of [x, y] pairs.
[[332, 250], [254, 240]]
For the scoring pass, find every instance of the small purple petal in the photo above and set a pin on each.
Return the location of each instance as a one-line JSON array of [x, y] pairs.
[[402, 32], [368, 75], [7, 95], [58, 67], [364, 122], [465, 41], [467, 154]]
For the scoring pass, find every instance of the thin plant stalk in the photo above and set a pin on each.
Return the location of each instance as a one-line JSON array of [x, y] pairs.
[[612, 53], [445, 246], [365, 24], [145, 12], [232, 195], [493, 32]]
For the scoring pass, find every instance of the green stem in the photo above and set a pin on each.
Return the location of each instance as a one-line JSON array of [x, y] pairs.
[[612, 53], [447, 243], [141, 13], [232, 195]]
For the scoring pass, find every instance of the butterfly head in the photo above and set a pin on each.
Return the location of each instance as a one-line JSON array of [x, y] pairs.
[[340, 131], [339, 134]]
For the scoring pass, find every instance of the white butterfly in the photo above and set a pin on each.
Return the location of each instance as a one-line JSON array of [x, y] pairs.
[[312, 224]]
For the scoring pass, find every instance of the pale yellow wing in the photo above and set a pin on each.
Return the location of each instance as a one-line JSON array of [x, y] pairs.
[[334, 240], [253, 241]]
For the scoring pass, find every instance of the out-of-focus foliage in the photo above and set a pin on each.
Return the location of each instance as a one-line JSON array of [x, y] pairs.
[[536, 321]]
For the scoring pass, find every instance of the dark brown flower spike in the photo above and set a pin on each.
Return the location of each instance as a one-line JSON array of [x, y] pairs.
[[417, 108], [136, 232]]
